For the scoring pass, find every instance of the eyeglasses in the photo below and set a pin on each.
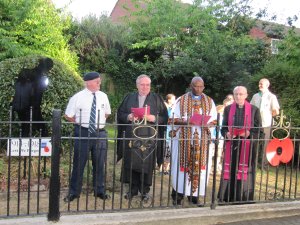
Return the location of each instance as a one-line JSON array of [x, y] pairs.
[[145, 85], [198, 86]]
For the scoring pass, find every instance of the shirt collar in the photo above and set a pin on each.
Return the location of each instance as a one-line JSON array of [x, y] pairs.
[[263, 93], [197, 97], [88, 91]]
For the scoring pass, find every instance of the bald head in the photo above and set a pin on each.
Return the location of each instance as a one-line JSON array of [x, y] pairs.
[[263, 85]]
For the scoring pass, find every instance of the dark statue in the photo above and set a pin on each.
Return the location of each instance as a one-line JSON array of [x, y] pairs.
[[29, 88]]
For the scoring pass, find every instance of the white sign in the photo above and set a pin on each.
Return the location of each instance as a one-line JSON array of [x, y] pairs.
[[14, 145]]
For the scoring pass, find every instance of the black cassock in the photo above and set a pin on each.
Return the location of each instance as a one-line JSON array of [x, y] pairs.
[[233, 189], [143, 150]]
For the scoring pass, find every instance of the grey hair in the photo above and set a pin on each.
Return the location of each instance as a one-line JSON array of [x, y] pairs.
[[195, 79], [142, 76], [237, 87]]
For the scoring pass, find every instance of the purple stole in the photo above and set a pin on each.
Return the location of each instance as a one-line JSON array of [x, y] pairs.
[[245, 145]]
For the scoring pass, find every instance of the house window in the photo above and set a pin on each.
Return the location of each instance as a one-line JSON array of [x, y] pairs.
[[274, 45]]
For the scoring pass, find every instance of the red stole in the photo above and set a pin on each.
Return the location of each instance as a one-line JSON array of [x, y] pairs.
[[244, 146]]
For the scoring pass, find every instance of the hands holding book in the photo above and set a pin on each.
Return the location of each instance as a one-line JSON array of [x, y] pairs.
[[238, 132], [140, 113], [199, 120]]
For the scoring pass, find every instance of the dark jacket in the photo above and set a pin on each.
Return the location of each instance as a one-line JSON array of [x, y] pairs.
[[133, 158]]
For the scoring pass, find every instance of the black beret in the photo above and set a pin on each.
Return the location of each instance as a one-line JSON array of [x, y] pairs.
[[91, 76]]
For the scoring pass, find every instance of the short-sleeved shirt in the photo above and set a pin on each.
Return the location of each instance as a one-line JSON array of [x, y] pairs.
[[266, 102], [80, 106]]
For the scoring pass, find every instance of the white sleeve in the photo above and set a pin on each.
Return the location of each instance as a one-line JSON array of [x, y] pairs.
[[213, 112], [252, 100], [71, 107], [214, 116], [176, 109], [107, 106], [274, 103]]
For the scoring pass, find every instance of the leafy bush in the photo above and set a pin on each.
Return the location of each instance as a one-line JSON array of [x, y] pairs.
[[34, 27]]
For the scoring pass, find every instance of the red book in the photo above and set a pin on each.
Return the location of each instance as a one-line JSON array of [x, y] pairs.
[[198, 119], [140, 112], [238, 131]]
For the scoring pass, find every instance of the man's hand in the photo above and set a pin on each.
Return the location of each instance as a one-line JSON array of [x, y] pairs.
[[245, 135], [275, 112], [229, 136], [131, 117], [70, 119], [150, 118]]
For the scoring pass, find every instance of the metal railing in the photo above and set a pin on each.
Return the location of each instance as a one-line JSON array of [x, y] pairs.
[[37, 183]]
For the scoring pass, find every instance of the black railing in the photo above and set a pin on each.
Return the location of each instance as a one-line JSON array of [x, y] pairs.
[[29, 186]]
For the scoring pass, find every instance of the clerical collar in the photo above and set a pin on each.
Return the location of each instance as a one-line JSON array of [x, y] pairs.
[[197, 97], [141, 100], [142, 96]]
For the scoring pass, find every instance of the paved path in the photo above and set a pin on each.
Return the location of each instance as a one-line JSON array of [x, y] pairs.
[[203, 216], [289, 220]]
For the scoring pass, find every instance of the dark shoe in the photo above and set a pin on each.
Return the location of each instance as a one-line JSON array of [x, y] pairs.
[[193, 199], [146, 197], [70, 198], [103, 196], [177, 202], [129, 195]]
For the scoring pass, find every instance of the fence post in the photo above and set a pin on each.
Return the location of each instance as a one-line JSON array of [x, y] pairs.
[[213, 195], [54, 191]]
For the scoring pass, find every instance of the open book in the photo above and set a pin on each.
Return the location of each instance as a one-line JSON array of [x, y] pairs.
[[237, 131], [198, 119]]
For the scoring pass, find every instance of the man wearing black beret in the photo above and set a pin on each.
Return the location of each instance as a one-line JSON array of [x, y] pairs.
[[91, 76], [88, 110]]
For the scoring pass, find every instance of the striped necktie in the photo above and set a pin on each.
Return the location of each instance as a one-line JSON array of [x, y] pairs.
[[92, 123]]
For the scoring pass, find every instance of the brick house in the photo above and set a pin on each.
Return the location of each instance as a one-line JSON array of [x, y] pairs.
[[271, 33], [123, 9]]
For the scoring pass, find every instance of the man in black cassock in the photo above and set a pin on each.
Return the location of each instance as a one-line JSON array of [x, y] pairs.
[[141, 150], [241, 123]]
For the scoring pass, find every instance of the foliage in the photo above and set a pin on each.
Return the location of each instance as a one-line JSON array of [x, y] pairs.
[[171, 42], [284, 74], [102, 46], [63, 83], [97, 42], [175, 42], [34, 27]]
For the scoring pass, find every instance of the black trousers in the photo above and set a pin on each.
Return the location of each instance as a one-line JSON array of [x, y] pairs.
[[82, 147], [138, 183]]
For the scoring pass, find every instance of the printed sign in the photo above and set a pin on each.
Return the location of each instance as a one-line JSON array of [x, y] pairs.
[[38, 146]]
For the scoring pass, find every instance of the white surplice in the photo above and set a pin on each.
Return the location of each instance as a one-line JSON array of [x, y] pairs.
[[180, 179]]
